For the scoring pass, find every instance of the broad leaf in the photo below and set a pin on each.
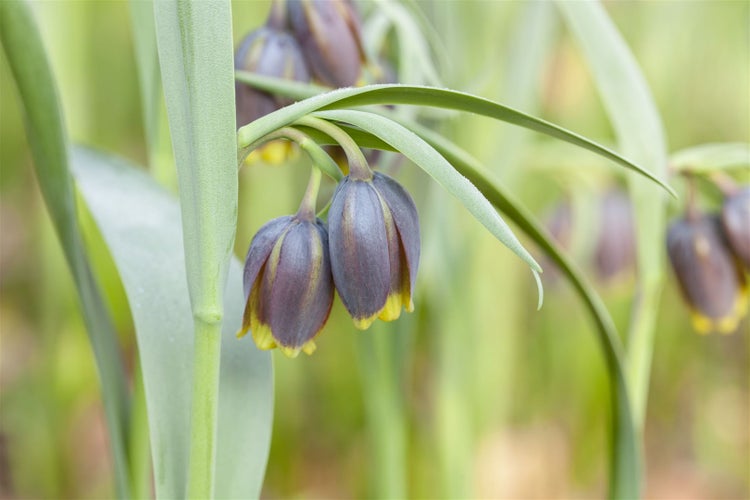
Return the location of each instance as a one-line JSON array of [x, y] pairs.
[[140, 223], [47, 138]]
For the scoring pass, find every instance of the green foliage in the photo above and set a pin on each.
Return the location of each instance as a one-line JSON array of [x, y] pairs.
[[140, 223]]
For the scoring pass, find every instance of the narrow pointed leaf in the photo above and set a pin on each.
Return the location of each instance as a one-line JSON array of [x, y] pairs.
[[47, 138], [711, 157], [425, 156], [419, 96], [140, 222]]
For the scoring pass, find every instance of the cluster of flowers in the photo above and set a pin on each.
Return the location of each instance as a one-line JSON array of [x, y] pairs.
[[368, 251], [708, 253], [302, 40]]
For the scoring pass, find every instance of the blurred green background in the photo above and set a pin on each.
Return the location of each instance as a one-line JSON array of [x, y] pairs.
[[475, 393]]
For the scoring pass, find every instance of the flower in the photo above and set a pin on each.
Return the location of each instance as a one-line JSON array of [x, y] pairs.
[[288, 284], [374, 246], [711, 282], [614, 254], [735, 219], [272, 52], [329, 33]]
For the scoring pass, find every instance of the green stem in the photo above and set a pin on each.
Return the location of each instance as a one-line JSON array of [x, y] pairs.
[[358, 167], [319, 157], [307, 206], [205, 407], [384, 405]]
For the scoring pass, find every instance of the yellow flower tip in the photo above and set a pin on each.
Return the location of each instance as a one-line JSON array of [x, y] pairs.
[[309, 347], [276, 152], [392, 308], [263, 337], [289, 352], [241, 332], [364, 323], [701, 323]]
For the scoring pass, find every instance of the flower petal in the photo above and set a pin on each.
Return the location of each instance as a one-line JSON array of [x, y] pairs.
[[300, 294], [260, 248], [359, 250], [404, 213], [711, 282], [735, 217]]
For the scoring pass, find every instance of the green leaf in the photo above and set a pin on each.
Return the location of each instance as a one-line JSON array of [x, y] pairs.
[[195, 53], [140, 223], [421, 96], [425, 156], [624, 425], [635, 118], [708, 158], [47, 138], [146, 56]]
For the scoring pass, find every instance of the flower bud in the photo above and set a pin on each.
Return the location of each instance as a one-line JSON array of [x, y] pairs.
[[271, 52], [374, 245], [711, 282], [329, 33], [288, 285], [735, 219]]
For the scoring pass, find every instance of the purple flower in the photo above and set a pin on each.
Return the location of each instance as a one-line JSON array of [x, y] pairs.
[[374, 246], [288, 285]]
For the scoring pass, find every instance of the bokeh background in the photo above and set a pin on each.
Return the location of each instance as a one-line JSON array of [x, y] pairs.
[[475, 393]]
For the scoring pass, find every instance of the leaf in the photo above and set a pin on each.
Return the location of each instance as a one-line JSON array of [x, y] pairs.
[[144, 41], [626, 435], [425, 156], [711, 157], [140, 223], [195, 53], [47, 138], [635, 118], [196, 57], [424, 96]]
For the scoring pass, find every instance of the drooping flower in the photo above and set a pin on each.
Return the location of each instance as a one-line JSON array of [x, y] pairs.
[[710, 279], [735, 219], [268, 51], [374, 245], [329, 33], [288, 284], [614, 254]]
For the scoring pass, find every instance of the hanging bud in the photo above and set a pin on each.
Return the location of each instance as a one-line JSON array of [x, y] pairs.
[[374, 244], [735, 219], [329, 33], [710, 280], [288, 285], [615, 248], [271, 52]]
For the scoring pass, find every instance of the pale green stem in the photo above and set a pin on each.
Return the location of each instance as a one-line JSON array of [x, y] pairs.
[[319, 157], [384, 406], [205, 407], [358, 167], [307, 206]]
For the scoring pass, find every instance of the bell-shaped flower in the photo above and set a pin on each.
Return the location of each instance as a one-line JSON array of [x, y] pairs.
[[712, 283], [374, 245], [288, 285], [271, 52], [329, 33], [735, 218]]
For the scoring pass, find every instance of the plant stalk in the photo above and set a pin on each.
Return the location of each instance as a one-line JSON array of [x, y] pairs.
[[204, 407]]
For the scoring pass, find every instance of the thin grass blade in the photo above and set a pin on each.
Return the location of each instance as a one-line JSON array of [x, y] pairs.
[[47, 138]]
